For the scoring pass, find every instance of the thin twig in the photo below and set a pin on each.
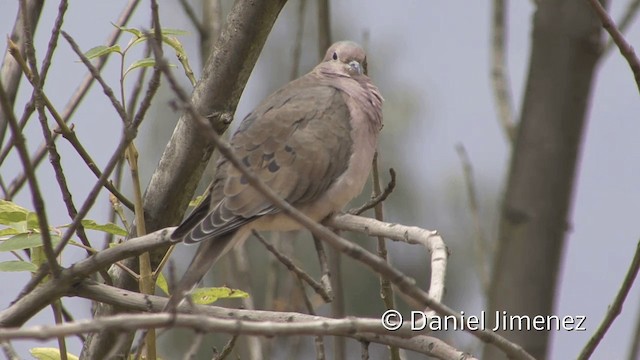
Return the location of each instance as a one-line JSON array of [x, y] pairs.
[[57, 315], [226, 350], [325, 278], [38, 203], [625, 21], [625, 49], [386, 291], [54, 156], [96, 74], [634, 350], [10, 71], [73, 103], [212, 21], [499, 72], [378, 197], [324, 27], [301, 274], [297, 44], [242, 276], [8, 350], [191, 14], [319, 342], [194, 346], [364, 346], [615, 308], [66, 131], [53, 41], [480, 243]]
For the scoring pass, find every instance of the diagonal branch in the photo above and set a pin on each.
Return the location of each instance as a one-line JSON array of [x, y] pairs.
[[625, 48], [614, 309]]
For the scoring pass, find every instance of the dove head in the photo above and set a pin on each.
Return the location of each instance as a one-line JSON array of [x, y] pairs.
[[349, 56]]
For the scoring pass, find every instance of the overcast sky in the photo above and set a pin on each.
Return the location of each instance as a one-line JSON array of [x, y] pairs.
[[437, 53]]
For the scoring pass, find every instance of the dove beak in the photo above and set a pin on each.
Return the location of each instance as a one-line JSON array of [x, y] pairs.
[[356, 67]]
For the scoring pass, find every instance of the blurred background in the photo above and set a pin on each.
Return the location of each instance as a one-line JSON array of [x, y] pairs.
[[431, 61]]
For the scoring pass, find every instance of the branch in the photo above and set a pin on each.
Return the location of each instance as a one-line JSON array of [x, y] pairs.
[[614, 309], [10, 73], [626, 20], [373, 331], [36, 196], [298, 272], [28, 305], [377, 198], [351, 327], [73, 103], [625, 49], [480, 241], [499, 73]]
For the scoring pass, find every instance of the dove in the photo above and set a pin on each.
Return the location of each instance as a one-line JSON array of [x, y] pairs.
[[312, 142]]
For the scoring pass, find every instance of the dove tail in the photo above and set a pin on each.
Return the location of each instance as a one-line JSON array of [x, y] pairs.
[[207, 254]]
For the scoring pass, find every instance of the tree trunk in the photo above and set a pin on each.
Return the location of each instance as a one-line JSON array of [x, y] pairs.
[[565, 49]]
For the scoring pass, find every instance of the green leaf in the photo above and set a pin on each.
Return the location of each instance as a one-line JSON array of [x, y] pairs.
[[167, 31], [102, 50], [10, 231], [204, 296], [148, 62], [17, 265], [134, 31], [11, 213], [26, 241], [110, 228], [49, 354], [32, 221], [162, 284], [176, 45]]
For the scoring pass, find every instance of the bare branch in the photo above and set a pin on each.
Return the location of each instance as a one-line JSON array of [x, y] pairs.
[[33, 301], [298, 272], [480, 240], [73, 103], [297, 45], [499, 72], [226, 350], [96, 75], [634, 351], [377, 198], [10, 73], [324, 27], [8, 350], [36, 196], [191, 14], [625, 21], [325, 278], [625, 48], [319, 326], [386, 290], [615, 308]]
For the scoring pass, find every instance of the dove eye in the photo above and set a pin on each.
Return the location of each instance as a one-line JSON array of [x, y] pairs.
[[335, 56]]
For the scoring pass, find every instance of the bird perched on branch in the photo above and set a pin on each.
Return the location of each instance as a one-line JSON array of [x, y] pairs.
[[312, 141]]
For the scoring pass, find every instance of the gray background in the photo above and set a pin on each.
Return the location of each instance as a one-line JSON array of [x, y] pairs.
[[431, 61]]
